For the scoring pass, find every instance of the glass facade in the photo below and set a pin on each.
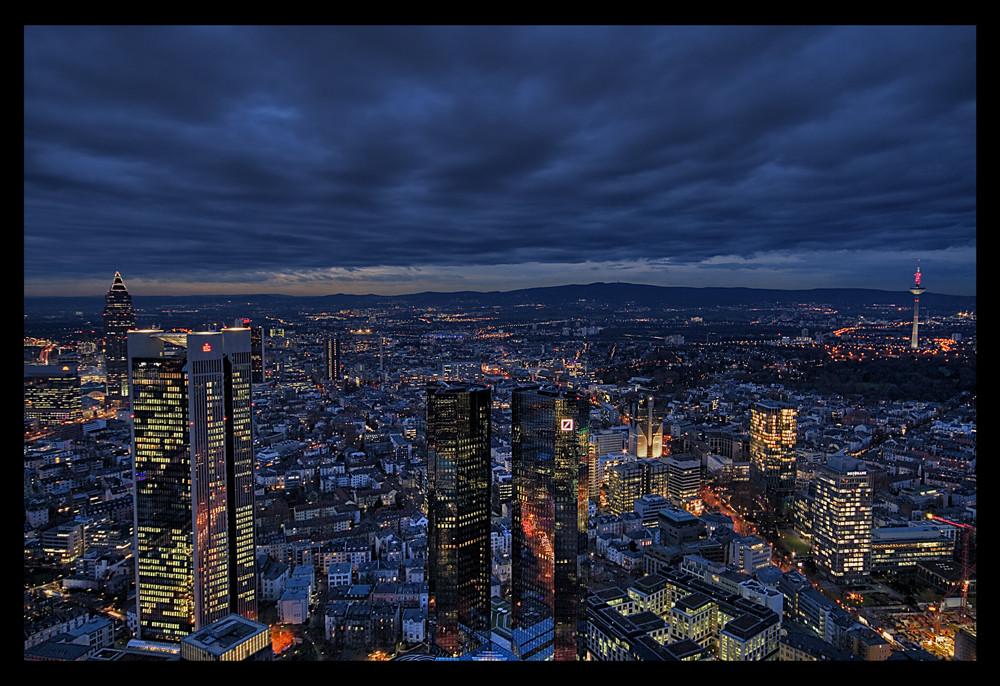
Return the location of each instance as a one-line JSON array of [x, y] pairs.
[[772, 449], [842, 520], [238, 370], [119, 317], [897, 549], [161, 458], [458, 514], [51, 394], [631, 480], [550, 439], [193, 462], [684, 484], [257, 354]]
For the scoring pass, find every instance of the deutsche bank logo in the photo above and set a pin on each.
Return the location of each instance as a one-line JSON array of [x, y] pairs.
[[567, 424]]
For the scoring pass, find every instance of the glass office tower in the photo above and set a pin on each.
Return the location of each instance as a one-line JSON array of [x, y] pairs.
[[772, 450], [193, 475], [842, 520], [550, 438], [458, 512], [119, 317]]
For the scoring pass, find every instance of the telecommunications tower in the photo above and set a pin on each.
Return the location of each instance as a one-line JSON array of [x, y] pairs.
[[917, 289]]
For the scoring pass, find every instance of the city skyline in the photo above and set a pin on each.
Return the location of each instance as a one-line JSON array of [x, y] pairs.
[[487, 463], [394, 160]]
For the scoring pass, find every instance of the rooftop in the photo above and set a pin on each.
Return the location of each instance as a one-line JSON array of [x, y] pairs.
[[219, 637]]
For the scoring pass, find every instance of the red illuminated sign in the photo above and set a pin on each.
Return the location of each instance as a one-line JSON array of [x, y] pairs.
[[567, 425], [206, 348]]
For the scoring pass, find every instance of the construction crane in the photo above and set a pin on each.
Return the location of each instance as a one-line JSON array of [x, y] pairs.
[[967, 531]]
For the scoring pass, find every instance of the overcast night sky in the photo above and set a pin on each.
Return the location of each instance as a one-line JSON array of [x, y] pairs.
[[389, 160]]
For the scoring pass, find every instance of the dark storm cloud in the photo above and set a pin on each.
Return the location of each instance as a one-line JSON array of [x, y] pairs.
[[245, 151]]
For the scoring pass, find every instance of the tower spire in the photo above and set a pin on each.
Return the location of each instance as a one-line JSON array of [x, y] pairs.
[[119, 317], [117, 284], [916, 289]]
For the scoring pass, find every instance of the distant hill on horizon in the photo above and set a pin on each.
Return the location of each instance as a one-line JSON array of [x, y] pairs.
[[571, 294]]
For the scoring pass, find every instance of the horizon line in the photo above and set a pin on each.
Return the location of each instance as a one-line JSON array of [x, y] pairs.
[[490, 292]]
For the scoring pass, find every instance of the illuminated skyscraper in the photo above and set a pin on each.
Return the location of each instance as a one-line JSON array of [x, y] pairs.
[[193, 475], [549, 451], [645, 433], [772, 450], [631, 480], [119, 317], [842, 520], [458, 511], [685, 482]]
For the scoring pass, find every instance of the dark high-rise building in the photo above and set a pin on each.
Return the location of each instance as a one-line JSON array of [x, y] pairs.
[[257, 354], [772, 450], [334, 366], [119, 317], [458, 512], [549, 451], [256, 349], [193, 475]]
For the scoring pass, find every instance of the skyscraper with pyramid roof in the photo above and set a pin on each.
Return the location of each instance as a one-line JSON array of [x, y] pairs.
[[119, 317]]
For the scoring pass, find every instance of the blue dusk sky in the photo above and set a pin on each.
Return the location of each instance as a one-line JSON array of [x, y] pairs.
[[317, 160]]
